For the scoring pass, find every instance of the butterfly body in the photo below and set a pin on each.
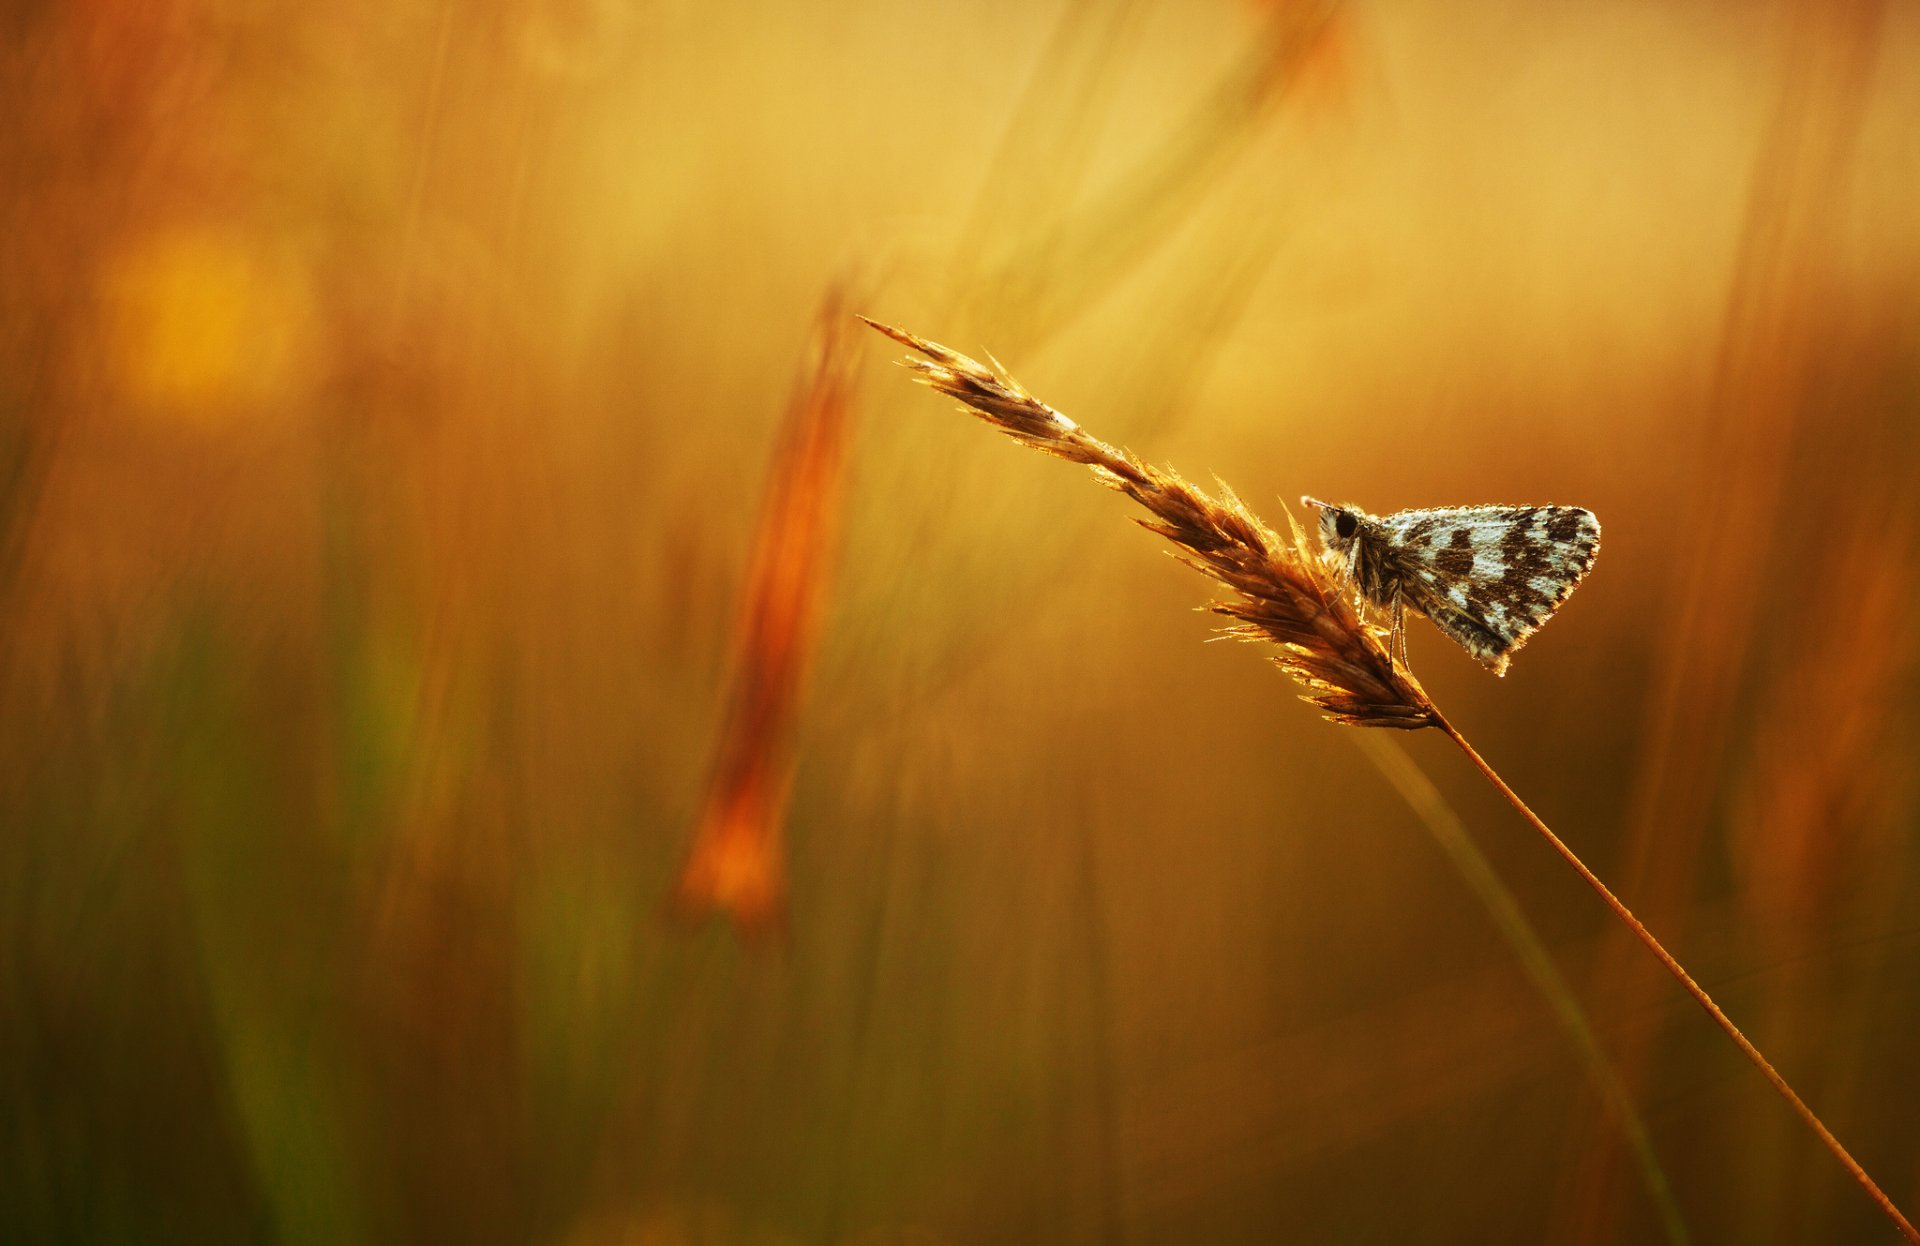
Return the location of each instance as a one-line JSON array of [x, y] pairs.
[[1487, 576]]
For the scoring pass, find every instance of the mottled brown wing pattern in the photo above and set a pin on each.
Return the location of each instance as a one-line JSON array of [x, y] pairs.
[[1490, 576]]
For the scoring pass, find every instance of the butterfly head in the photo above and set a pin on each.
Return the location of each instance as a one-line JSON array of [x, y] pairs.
[[1339, 529]]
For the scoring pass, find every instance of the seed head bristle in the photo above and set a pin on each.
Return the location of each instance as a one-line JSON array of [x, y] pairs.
[[1280, 593]]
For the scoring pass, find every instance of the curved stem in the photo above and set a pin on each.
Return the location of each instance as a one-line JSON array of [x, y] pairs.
[[1687, 983]]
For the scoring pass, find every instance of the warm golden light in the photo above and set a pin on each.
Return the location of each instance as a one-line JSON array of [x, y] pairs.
[[205, 325], [445, 545]]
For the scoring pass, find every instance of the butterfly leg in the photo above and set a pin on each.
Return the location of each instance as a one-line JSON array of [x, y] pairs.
[[1397, 638]]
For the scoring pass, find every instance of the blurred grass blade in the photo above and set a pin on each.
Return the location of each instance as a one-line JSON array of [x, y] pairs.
[[1443, 825], [736, 864], [1764, 384], [1063, 266]]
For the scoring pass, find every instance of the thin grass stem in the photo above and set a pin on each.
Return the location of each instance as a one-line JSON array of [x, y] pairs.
[[1443, 825], [1687, 984]]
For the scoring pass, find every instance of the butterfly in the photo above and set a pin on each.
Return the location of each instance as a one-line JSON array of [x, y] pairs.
[[1488, 576]]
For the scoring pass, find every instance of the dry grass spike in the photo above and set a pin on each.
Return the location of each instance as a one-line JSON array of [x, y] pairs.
[[1280, 593]]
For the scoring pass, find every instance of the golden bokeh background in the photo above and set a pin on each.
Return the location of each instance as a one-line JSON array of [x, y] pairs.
[[390, 397]]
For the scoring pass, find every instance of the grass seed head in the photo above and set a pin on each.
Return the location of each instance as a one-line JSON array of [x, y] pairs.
[[1278, 592]]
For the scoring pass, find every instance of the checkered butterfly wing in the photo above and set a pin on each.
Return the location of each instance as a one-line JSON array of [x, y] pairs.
[[1490, 576]]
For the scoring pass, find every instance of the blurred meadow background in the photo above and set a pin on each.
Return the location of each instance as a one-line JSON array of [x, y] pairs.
[[518, 724]]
